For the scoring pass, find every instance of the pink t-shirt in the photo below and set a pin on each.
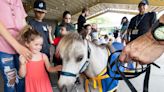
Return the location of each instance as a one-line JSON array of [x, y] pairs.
[[12, 15]]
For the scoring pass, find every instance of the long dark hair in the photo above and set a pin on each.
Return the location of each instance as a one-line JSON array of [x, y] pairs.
[[65, 13], [127, 21]]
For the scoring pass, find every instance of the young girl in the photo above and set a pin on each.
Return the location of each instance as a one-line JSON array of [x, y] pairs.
[[34, 70]]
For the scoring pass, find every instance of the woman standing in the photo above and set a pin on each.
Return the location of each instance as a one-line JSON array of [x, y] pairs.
[[12, 20], [124, 27], [67, 22]]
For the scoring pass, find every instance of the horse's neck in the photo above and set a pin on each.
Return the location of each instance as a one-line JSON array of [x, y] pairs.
[[98, 60]]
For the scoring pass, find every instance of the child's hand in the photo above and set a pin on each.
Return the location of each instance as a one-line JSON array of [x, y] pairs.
[[49, 29], [58, 67], [22, 60], [57, 55]]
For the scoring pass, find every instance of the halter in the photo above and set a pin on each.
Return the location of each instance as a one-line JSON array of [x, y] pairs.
[[82, 69]]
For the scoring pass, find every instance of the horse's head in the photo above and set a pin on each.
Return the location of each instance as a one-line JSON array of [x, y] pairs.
[[74, 52]]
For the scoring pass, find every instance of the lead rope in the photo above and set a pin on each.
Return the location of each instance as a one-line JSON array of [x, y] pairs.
[[126, 79]]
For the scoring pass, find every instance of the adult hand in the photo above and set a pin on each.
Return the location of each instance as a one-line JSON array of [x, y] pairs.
[[14, 43], [144, 50], [24, 52], [161, 19]]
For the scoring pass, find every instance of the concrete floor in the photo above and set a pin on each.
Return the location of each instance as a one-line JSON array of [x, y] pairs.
[[155, 84]]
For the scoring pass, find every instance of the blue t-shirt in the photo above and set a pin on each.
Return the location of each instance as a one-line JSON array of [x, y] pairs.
[[41, 27]]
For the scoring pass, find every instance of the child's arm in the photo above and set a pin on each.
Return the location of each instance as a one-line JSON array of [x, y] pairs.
[[49, 67], [49, 33], [22, 69]]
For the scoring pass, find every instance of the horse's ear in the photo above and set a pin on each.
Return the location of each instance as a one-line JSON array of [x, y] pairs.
[[83, 33], [81, 36]]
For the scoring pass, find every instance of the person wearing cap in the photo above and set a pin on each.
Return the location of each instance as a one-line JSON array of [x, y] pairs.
[[40, 26], [142, 22], [12, 21], [82, 19]]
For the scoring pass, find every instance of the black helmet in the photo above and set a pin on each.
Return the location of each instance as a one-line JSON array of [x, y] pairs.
[[40, 5]]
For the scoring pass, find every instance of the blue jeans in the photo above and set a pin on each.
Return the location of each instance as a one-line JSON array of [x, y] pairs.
[[9, 65]]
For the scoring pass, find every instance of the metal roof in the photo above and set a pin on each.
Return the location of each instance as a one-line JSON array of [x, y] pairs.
[[56, 8]]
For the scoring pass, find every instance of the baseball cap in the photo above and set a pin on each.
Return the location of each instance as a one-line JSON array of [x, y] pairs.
[[143, 2], [40, 5]]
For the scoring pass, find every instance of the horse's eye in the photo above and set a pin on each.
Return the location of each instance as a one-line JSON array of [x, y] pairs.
[[79, 58]]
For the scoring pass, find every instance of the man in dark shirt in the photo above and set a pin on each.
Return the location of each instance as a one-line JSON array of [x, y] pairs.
[[40, 26], [140, 24], [82, 19]]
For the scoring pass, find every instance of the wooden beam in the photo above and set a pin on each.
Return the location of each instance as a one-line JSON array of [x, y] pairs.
[[123, 12], [27, 7], [151, 2]]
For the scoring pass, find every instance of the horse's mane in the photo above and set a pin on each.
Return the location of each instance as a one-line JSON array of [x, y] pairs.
[[67, 41]]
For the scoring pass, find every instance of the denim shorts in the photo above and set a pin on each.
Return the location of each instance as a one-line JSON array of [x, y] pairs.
[[9, 66]]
